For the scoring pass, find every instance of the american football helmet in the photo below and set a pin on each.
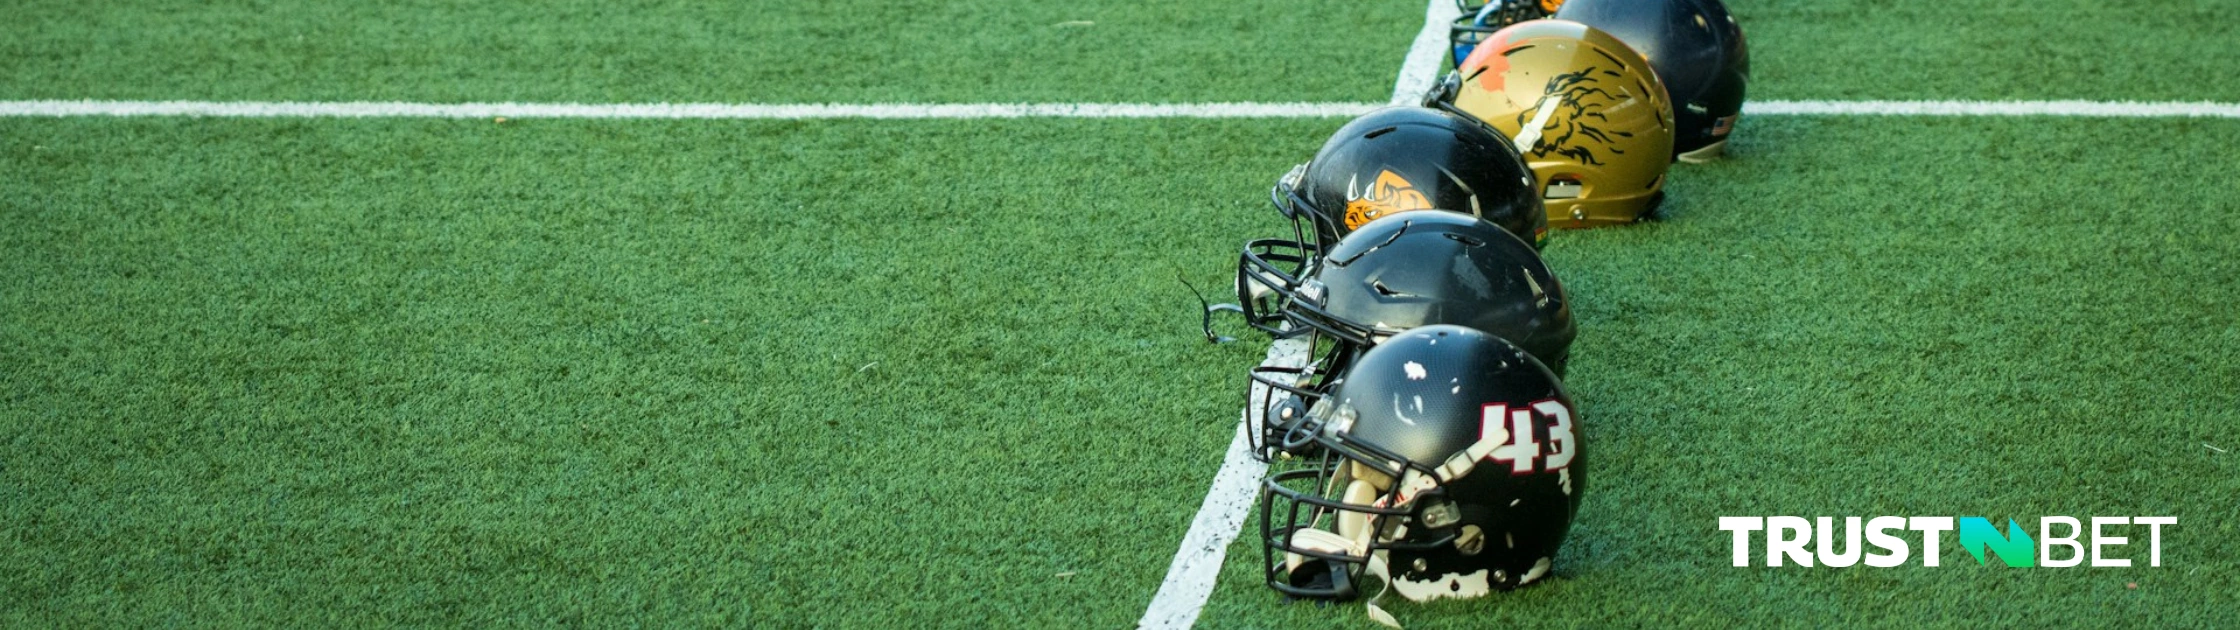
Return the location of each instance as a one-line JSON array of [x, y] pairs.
[[1395, 273], [1478, 19], [1415, 269], [1450, 465], [1697, 49], [1399, 159], [1586, 111]]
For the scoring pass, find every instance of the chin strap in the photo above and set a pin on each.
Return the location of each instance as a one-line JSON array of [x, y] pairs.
[[1377, 568], [1326, 541], [1209, 309], [1411, 484]]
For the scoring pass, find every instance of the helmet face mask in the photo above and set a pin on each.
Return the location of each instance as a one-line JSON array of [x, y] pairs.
[[1280, 399], [1482, 19], [1446, 471], [1306, 219], [1585, 110], [1272, 274], [1404, 159], [1330, 516]]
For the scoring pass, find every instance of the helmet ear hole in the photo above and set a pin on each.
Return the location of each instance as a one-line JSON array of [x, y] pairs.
[[1566, 187], [1470, 540]]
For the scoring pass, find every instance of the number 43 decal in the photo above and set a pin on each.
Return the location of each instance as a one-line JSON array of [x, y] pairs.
[[1524, 446]]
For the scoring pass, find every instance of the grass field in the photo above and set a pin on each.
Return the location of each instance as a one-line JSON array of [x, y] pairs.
[[863, 373]]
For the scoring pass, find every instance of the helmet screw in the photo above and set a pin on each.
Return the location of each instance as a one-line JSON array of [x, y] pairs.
[[1422, 566]]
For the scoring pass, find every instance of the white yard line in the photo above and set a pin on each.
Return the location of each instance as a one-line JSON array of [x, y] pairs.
[[2100, 109], [1426, 54], [747, 111], [718, 111], [1236, 486]]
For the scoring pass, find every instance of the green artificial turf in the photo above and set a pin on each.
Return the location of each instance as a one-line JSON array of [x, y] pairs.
[[851, 51], [2108, 50], [900, 373], [314, 372], [1013, 50], [854, 374]]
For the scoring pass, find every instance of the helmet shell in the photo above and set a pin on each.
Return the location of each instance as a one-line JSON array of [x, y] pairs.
[[1421, 268], [1452, 452], [1698, 50], [1585, 110], [1400, 159]]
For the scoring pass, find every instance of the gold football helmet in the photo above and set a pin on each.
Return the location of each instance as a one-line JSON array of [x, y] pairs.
[[1586, 111]]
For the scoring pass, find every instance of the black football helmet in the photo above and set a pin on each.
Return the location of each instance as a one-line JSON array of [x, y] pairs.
[[1698, 51], [1407, 270], [1400, 159], [1449, 465], [1483, 18], [1398, 272]]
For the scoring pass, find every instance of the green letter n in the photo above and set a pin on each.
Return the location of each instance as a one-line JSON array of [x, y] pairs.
[[1976, 533]]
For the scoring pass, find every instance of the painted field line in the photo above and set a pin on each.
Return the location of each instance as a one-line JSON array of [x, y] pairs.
[[2096, 109], [1426, 53], [905, 111], [708, 111], [1190, 577]]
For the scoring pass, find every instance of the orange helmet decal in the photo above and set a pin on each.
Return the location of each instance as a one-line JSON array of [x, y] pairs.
[[1488, 65], [1390, 193]]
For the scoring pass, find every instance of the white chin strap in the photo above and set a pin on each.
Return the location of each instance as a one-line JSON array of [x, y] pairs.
[[1321, 541], [1378, 567], [1352, 539], [1706, 154]]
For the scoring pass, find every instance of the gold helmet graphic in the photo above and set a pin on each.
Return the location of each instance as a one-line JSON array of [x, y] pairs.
[[1586, 111]]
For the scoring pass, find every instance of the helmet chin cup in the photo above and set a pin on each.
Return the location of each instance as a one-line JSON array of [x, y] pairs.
[[1316, 578], [1320, 576], [1441, 94], [1327, 542]]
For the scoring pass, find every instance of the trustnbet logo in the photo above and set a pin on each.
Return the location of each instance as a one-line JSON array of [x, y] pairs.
[[1787, 539]]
